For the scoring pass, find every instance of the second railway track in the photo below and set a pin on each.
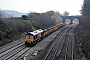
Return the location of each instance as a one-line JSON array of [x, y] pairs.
[[51, 54], [68, 50]]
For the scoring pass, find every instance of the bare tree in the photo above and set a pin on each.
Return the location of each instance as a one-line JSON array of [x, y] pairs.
[[66, 13], [57, 17], [0, 13]]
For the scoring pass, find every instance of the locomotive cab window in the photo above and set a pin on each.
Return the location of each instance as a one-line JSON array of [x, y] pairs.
[[31, 37], [27, 36]]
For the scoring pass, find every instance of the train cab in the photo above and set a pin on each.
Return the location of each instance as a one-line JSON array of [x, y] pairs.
[[29, 38], [33, 37]]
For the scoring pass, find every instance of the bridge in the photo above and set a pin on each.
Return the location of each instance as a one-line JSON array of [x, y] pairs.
[[70, 17]]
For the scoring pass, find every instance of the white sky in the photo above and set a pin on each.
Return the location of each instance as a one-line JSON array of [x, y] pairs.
[[72, 6]]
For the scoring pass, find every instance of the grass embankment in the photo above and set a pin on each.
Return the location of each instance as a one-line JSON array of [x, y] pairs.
[[11, 30]]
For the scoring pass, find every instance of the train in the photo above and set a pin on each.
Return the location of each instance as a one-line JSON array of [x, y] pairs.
[[31, 38]]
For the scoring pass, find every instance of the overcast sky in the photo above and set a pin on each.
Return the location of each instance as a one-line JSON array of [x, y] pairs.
[[72, 6]]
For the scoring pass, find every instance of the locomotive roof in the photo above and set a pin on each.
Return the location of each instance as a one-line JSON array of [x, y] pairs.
[[36, 32]]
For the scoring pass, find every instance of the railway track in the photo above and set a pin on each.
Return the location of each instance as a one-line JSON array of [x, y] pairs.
[[68, 54], [52, 52], [10, 45], [13, 50], [68, 50], [17, 55], [16, 49], [71, 49]]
